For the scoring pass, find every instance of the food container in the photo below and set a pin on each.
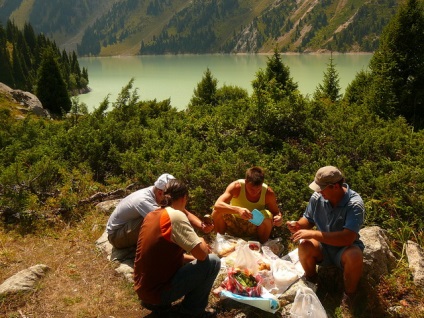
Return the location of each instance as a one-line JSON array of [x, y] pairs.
[[258, 217], [254, 245]]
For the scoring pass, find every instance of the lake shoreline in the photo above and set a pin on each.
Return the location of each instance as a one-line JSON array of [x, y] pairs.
[[175, 77], [234, 54]]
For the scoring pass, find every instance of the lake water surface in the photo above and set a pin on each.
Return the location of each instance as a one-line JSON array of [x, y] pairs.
[[176, 76]]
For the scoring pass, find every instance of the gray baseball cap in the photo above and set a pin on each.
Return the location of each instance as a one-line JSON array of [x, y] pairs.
[[325, 176]]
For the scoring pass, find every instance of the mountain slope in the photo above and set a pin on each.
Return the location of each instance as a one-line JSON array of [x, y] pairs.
[[63, 21], [128, 27]]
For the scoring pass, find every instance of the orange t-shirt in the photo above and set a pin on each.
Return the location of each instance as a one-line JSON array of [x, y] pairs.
[[164, 237]]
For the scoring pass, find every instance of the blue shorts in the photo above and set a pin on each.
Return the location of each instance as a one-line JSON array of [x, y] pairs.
[[332, 255]]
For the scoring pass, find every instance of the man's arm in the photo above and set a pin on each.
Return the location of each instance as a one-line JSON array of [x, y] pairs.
[[197, 223], [201, 250], [272, 206], [302, 223], [222, 205], [340, 238]]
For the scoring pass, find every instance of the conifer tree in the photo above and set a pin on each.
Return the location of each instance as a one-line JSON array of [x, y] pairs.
[[205, 92], [18, 72], [398, 66], [51, 88], [330, 87], [275, 81], [29, 36], [277, 70], [6, 75]]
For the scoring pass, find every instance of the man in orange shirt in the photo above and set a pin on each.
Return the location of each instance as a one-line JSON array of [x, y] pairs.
[[172, 261]]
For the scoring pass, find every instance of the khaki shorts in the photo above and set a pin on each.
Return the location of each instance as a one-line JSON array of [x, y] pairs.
[[126, 236], [238, 227]]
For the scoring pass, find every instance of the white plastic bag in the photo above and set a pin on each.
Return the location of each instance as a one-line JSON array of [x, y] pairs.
[[283, 271], [306, 305], [247, 259], [275, 245], [224, 245]]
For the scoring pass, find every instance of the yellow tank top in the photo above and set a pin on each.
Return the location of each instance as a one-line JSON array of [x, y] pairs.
[[242, 201]]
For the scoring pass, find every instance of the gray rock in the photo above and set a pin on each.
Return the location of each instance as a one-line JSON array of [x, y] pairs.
[[123, 257], [23, 281], [5, 89], [378, 259], [29, 101], [415, 256], [107, 207]]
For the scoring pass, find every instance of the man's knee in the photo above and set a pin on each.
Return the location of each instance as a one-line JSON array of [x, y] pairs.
[[306, 246], [215, 260], [352, 256], [310, 249]]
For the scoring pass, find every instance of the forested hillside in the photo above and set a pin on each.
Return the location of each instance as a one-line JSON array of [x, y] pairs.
[[62, 21], [118, 27], [32, 62]]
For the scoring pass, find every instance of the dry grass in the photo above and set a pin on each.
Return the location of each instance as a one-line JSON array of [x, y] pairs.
[[81, 282]]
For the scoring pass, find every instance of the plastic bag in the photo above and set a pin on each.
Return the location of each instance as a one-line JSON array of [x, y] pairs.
[[245, 258], [245, 269], [242, 282], [275, 245], [225, 244], [306, 304], [284, 272]]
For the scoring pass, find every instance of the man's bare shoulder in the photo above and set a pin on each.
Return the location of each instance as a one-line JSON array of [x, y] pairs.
[[234, 188], [270, 194]]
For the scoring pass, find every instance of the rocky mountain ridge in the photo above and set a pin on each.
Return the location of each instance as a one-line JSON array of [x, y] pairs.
[[128, 27]]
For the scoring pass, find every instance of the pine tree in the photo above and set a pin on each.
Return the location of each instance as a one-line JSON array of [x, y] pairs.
[[275, 81], [330, 87], [205, 92], [278, 71], [6, 75], [18, 71], [398, 66], [51, 88]]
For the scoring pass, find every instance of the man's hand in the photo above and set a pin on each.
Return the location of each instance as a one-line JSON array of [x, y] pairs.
[[245, 214], [293, 226], [278, 220], [303, 235], [206, 228]]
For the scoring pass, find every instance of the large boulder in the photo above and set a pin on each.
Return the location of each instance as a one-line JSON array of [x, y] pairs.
[[28, 101], [378, 259]]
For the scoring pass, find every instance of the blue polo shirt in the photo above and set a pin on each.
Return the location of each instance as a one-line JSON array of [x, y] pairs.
[[348, 214]]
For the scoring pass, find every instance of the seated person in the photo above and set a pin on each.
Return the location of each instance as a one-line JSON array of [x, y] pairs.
[[163, 272], [328, 231], [125, 221], [233, 209]]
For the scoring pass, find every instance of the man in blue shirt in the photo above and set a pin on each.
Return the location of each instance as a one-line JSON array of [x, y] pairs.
[[337, 213]]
